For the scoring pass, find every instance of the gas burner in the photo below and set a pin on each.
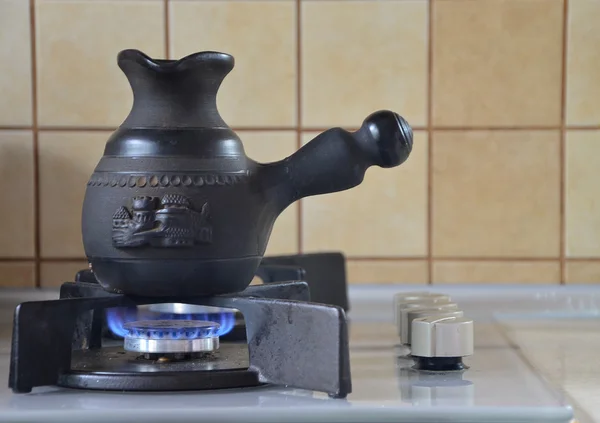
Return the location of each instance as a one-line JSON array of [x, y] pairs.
[[169, 350], [171, 338], [183, 309]]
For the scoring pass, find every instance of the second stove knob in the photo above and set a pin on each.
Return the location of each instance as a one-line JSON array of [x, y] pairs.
[[440, 343]]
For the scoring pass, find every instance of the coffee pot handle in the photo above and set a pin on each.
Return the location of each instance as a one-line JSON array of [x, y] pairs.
[[337, 160]]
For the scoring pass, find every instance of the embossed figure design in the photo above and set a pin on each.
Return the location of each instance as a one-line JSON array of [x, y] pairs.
[[174, 207], [173, 224]]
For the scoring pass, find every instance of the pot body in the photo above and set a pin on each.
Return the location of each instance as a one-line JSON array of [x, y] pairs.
[[170, 225]]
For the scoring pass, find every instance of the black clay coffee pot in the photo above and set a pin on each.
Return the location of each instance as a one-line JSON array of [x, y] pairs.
[[174, 207]]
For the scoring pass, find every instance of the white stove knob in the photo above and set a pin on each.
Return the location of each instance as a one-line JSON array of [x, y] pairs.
[[439, 343], [405, 299], [403, 310], [411, 297], [443, 310]]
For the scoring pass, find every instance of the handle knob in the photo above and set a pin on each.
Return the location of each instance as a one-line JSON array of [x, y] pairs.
[[388, 136], [440, 343]]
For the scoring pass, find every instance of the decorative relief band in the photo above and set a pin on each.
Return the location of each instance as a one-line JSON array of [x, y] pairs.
[[169, 221], [163, 180]]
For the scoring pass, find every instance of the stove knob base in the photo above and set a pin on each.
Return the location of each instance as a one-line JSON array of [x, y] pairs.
[[439, 364]]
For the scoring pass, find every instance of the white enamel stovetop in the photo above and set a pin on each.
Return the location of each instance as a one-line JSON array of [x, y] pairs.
[[536, 360]]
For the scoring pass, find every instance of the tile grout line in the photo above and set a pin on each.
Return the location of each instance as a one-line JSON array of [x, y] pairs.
[[17, 259], [498, 128], [314, 129], [581, 259], [581, 127], [308, 1], [41, 260], [385, 259], [36, 161], [367, 258], [562, 146], [298, 128], [429, 142], [495, 259], [16, 128], [110, 129], [166, 28], [362, 258]]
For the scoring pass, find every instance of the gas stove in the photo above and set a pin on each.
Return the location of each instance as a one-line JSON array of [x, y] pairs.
[[209, 364], [287, 341]]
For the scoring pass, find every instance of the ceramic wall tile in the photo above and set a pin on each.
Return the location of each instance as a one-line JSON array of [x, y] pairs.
[[54, 274], [582, 208], [496, 193], [497, 62], [387, 271], [67, 159], [266, 147], [79, 82], [583, 63], [18, 274], [496, 272], [577, 272], [15, 56], [16, 184], [362, 56], [384, 216], [261, 89]]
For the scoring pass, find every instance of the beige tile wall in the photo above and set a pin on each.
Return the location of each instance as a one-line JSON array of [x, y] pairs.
[[504, 96]]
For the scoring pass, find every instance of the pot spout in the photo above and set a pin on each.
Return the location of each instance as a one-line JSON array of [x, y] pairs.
[[336, 160]]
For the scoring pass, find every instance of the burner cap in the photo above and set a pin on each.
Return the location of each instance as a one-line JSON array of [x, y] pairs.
[[171, 336]]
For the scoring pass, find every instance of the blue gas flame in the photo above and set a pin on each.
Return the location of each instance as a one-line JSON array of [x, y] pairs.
[[117, 317], [226, 321]]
